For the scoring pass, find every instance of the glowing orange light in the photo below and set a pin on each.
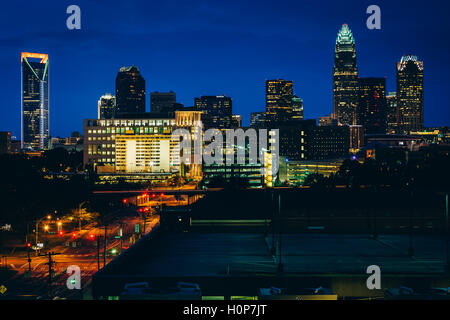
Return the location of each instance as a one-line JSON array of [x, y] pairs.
[[42, 56]]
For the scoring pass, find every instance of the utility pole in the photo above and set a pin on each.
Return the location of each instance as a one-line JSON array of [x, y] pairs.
[[106, 246], [36, 234], [98, 252], [50, 270], [29, 259], [144, 215]]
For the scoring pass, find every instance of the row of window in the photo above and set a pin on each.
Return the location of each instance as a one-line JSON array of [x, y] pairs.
[[135, 129]]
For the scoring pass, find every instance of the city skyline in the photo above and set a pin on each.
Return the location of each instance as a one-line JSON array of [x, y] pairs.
[[316, 91], [224, 153]]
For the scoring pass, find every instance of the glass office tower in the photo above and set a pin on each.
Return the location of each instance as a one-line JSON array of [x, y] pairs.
[[35, 101]]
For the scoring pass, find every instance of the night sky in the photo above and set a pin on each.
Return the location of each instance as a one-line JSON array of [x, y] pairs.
[[216, 47]]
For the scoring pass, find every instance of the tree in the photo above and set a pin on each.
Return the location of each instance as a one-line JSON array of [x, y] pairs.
[[81, 214]]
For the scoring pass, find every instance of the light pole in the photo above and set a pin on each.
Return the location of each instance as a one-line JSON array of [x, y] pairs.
[[37, 231]]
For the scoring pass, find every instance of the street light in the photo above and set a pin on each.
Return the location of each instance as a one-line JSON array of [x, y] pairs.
[[49, 217]]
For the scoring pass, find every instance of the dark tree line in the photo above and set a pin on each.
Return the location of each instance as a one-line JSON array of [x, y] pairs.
[[427, 169], [27, 192]]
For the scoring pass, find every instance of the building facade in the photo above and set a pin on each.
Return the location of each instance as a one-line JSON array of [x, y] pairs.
[[147, 153], [130, 91], [372, 106], [328, 142], [345, 78], [217, 111], [297, 108], [294, 138], [327, 121], [297, 171], [410, 94], [257, 119], [101, 137], [236, 121], [35, 101], [163, 102], [392, 113], [279, 100], [5, 142], [356, 138]]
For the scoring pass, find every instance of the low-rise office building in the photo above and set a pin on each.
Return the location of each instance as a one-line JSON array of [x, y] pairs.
[[123, 145]]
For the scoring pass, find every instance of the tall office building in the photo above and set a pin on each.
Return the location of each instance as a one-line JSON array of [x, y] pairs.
[[297, 108], [35, 101], [410, 94], [107, 106], [345, 78], [392, 112], [130, 91], [371, 111], [163, 102], [217, 111], [279, 100]]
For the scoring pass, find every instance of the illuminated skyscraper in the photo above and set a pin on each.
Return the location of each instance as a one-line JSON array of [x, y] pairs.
[[392, 112], [371, 111], [130, 91], [107, 106], [35, 101], [410, 94], [279, 96], [345, 78]]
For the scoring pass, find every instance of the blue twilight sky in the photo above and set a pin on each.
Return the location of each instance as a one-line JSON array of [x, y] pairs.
[[216, 47]]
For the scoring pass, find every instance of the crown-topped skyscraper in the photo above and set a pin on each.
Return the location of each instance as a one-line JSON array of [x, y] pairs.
[[345, 78], [409, 94]]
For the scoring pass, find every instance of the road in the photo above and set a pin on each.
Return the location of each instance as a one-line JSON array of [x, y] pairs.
[[81, 252]]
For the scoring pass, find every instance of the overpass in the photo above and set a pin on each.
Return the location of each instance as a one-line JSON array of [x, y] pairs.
[[158, 191]]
